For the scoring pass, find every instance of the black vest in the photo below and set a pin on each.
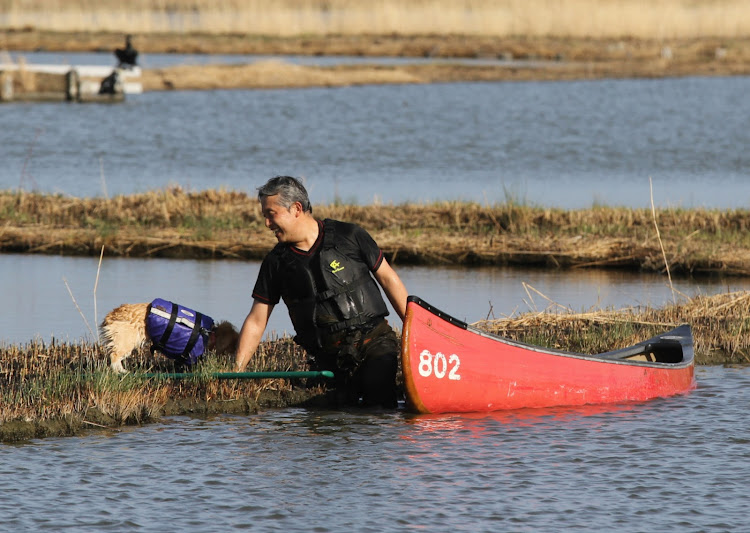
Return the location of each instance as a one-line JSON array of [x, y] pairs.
[[332, 294]]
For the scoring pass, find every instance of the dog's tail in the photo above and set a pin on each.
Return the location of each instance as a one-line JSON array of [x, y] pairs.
[[122, 331]]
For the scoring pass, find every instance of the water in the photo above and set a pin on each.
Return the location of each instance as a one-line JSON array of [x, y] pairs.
[[676, 464], [566, 144], [168, 60], [38, 303]]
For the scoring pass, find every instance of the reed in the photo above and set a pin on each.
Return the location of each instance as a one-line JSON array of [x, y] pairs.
[[177, 223], [720, 324], [589, 18], [45, 381], [175, 207], [70, 383]]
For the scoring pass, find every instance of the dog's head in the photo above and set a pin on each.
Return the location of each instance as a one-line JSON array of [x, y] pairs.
[[223, 338]]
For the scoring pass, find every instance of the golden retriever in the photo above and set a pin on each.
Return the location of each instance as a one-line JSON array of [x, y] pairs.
[[123, 330]]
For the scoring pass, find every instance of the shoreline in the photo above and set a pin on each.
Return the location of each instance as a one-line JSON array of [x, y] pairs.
[[217, 224], [94, 420], [520, 58], [79, 393]]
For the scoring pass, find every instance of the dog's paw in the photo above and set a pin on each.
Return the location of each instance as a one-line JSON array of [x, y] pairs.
[[118, 368]]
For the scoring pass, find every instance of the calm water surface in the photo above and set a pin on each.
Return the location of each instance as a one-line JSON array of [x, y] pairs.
[[566, 144], [677, 464], [147, 61], [39, 304]]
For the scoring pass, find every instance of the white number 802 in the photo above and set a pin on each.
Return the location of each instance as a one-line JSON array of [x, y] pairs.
[[438, 364]]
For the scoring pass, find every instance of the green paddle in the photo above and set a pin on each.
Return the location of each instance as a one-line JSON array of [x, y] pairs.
[[244, 375]]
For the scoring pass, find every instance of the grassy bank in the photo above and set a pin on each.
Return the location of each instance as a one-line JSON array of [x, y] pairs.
[[228, 224], [588, 48], [536, 57], [63, 389], [278, 74]]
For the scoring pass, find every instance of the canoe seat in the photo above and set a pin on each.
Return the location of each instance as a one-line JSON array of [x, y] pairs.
[[641, 357], [661, 352]]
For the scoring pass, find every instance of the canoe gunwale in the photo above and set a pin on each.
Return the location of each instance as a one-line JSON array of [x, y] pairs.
[[681, 334]]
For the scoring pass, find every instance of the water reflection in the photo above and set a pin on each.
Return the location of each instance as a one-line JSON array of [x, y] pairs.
[[475, 425], [38, 302]]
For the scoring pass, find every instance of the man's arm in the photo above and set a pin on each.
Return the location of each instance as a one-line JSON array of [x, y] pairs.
[[251, 333], [393, 286]]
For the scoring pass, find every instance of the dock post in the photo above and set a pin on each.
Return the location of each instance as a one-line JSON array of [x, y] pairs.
[[72, 85], [6, 86]]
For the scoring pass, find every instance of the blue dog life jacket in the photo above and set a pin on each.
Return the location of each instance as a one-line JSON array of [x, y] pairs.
[[176, 331]]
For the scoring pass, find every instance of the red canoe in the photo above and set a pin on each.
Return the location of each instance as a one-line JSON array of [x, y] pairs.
[[451, 367]]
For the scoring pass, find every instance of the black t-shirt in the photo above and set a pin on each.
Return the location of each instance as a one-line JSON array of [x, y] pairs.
[[351, 240]]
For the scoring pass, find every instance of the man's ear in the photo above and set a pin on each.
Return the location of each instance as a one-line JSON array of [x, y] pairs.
[[296, 209]]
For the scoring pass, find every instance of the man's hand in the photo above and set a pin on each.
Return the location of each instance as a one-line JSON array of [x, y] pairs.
[[251, 333]]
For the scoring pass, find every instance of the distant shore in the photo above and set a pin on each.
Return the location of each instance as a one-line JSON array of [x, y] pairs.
[[519, 58]]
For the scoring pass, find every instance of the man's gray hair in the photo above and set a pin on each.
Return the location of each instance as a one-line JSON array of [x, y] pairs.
[[289, 189]]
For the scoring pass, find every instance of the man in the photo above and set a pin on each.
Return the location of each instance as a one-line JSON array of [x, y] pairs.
[[323, 270]]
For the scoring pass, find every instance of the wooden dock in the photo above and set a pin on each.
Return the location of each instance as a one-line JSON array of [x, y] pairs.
[[73, 83]]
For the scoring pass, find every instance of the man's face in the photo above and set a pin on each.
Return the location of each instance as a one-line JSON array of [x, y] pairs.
[[279, 219]]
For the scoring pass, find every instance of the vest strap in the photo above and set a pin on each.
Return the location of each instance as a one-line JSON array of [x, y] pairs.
[[330, 293], [351, 323], [170, 326], [329, 234], [194, 334]]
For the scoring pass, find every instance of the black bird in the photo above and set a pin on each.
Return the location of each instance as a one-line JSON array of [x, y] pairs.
[[126, 56], [111, 84]]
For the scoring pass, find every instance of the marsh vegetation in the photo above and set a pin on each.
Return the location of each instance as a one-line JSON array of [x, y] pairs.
[[228, 224], [62, 388], [65, 388]]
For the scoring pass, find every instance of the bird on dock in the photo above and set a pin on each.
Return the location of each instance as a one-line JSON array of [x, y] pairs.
[[126, 56], [112, 84]]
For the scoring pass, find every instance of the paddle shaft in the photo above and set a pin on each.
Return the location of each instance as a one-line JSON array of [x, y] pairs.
[[243, 375]]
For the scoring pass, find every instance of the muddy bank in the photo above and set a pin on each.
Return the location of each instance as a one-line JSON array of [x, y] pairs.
[[94, 420]]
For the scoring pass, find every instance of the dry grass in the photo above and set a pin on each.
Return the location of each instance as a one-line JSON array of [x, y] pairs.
[[277, 74], [518, 47], [582, 18], [40, 381], [178, 223], [720, 324], [70, 387], [269, 74]]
